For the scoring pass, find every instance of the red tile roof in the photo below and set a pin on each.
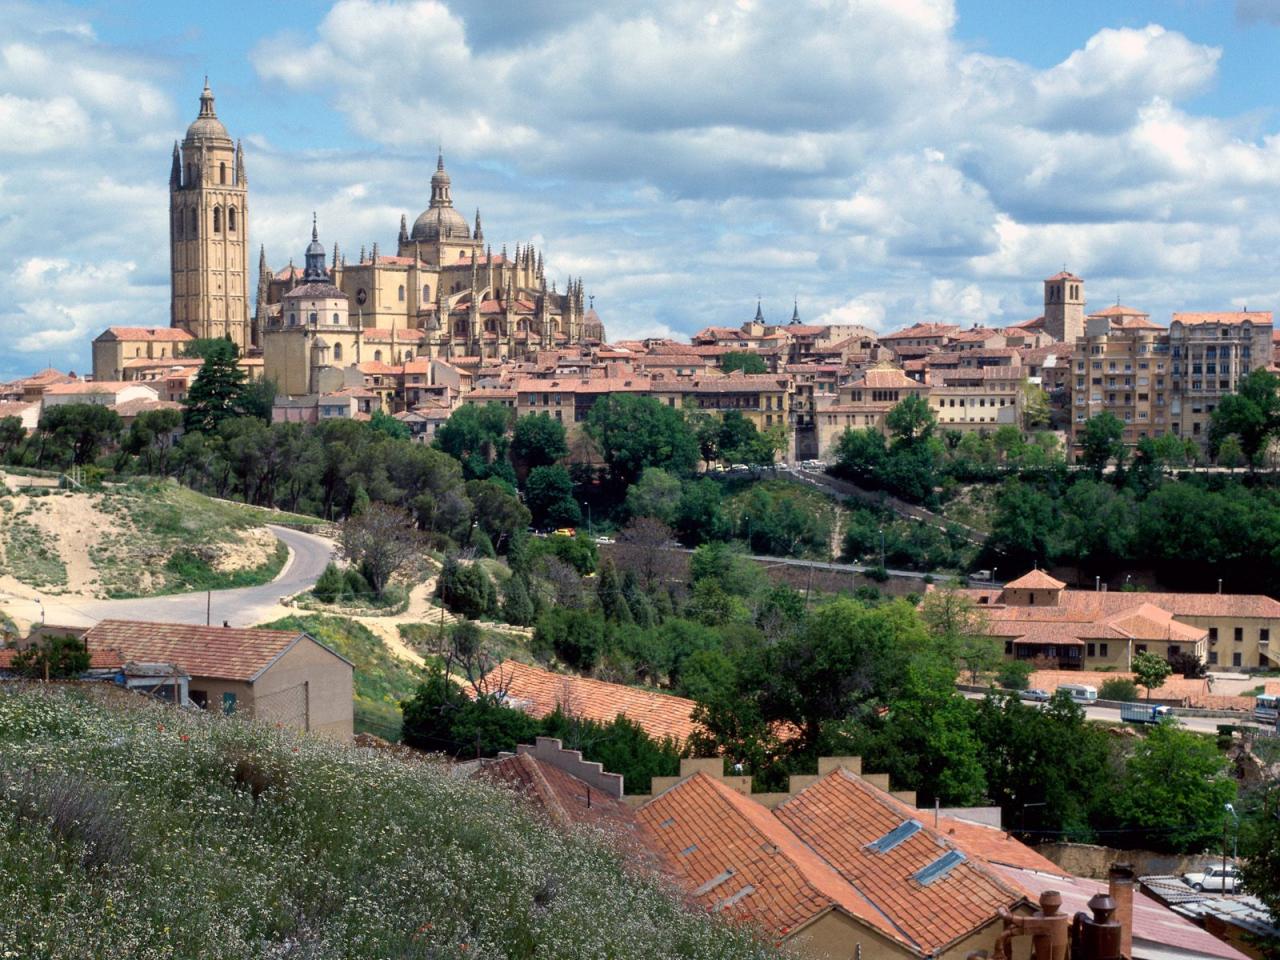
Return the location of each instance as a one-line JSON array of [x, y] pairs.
[[147, 333], [1262, 317], [1064, 275], [538, 692], [1035, 580], [842, 814], [994, 845], [225, 653]]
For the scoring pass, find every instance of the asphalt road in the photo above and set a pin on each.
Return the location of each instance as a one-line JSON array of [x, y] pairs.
[[242, 607], [1112, 715]]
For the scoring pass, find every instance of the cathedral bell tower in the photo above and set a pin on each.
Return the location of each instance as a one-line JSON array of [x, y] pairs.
[[209, 231]]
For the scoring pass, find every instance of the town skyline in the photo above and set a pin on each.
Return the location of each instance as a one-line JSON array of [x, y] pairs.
[[858, 213]]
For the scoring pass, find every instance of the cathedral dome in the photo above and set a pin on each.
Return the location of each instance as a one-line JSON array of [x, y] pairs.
[[207, 126], [440, 220]]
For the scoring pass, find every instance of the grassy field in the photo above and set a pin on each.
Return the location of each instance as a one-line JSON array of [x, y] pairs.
[[28, 555], [133, 830], [381, 679]]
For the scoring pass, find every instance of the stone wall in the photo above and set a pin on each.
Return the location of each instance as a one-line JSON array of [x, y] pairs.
[[1088, 860]]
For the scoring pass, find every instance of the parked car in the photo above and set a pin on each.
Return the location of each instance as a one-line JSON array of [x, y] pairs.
[[604, 540], [1214, 877], [566, 532], [1035, 694]]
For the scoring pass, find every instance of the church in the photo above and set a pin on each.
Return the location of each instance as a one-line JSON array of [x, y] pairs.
[[444, 294]]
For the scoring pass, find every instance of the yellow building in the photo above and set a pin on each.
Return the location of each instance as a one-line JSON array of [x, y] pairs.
[[115, 347], [209, 231]]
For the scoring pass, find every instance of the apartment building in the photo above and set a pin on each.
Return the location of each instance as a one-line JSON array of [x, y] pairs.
[[1209, 354], [978, 398]]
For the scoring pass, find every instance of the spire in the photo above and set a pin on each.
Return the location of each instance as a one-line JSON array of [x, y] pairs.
[[315, 233], [373, 257], [362, 253], [314, 272], [759, 311], [262, 260], [240, 178], [206, 100], [795, 313], [404, 229], [440, 159], [479, 231], [335, 255], [175, 171]]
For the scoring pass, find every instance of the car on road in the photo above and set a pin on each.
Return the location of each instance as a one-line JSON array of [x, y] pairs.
[[1035, 694], [604, 540], [1214, 877], [566, 532]]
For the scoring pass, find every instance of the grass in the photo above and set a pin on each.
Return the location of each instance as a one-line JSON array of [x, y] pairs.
[[29, 557], [382, 679], [133, 830]]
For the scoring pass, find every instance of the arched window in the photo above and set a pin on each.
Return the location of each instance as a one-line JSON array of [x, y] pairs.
[[222, 173], [195, 223], [312, 317], [335, 320], [377, 356], [402, 293], [337, 351], [491, 326], [231, 219], [293, 319], [408, 354], [177, 224], [460, 328], [217, 219], [426, 293]]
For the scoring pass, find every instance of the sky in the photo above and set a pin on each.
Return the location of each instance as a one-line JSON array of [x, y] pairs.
[[873, 161]]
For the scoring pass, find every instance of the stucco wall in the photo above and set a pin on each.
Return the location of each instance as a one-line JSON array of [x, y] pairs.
[[309, 688]]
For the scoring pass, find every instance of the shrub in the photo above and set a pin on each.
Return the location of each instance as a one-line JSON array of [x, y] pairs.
[[467, 589], [1118, 688], [329, 584], [1014, 675]]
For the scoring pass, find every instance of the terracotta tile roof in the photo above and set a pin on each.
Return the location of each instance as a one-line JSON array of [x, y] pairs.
[[224, 653], [1262, 317], [842, 814], [1092, 603], [1035, 323], [146, 333], [131, 408], [16, 408], [766, 873], [80, 387], [1035, 580], [100, 658], [1064, 275], [994, 845], [922, 330], [538, 692], [882, 378]]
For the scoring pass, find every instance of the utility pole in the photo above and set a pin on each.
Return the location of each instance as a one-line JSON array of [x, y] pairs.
[[208, 607]]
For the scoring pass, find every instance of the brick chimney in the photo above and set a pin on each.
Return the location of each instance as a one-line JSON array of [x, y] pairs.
[[1120, 886]]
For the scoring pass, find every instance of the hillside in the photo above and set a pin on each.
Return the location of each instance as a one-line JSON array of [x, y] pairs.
[[133, 539], [134, 831]]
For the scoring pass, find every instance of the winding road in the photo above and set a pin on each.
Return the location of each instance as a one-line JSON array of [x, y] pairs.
[[240, 607]]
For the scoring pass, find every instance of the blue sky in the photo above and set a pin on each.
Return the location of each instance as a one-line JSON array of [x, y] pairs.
[[883, 161]]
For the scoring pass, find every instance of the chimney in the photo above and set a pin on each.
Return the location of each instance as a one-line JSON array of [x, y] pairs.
[[1120, 886]]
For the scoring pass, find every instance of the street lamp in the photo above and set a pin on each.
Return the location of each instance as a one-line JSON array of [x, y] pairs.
[[590, 531], [882, 566]]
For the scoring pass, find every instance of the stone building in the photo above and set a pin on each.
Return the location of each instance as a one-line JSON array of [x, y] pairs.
[[209, 231], [447, 294], [1064, 307]]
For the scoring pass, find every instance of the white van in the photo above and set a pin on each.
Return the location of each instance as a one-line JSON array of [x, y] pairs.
[[1079, 692]]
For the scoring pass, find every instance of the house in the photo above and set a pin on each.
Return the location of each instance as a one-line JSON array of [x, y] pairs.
[[282, 676], [106, 393], [1036, 615], [540, 692], [116, 346]]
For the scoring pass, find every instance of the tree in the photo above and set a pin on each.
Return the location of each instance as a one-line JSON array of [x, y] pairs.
[[380, 541], [609, 594], [466, 589], [81, 428], [476, 435], [1150, 670], [1014, 674], [1261, 836], [55, 657], [1230, 452], [911, 420], [1120, 689], [961, 629], [656, 494], [152, 437], [383, 422], [743, 361], [538, 441], [1102, 441], [497, 510], [549, 495], [517, 608], [635, 432], [860, 454], [217, 393], [1022, 524], [12, 433], [1252, 414], [441, 717], [699, 516], [620, 746], [1035, 406], [1174, 789]]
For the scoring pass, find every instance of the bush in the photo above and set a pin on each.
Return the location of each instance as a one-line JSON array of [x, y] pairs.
[[1118, 688], [1014, 675], [329, 584], [467, 589]]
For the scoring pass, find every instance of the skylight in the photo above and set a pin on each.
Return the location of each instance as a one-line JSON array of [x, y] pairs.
[[894, 837], [939, 868]]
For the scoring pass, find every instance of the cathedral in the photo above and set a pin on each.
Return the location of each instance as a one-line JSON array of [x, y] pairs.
[[444, 294]]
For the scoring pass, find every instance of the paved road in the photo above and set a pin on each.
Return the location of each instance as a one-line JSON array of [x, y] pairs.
[[1196, 724], [245, 606]]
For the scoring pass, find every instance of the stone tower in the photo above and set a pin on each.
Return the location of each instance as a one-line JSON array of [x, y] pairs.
[[1064, 307], [209, 231]]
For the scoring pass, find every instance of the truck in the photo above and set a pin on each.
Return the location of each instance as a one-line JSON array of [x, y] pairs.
[[1143, 712]]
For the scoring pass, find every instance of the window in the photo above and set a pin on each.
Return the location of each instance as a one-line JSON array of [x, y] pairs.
[[1264, 635], [1213, 658], [1140, 648], [222, 173], [1239, 635], [1008, 645], [337, 351], [1236, 659], [1213, 634], [426, 292], [402, 293], [336, 321], [217, 219], [377, 356], [313, 317], [1090, 650], [231, 219], [177, 224], [1102, 650], [228, 703]]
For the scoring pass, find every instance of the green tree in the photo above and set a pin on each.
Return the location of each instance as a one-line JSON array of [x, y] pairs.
[[206, 347], [699, 514], [1252, 414], [1261, 848], [1119, 688], [217, 394], [1014, 674], [152, 438], [1173, 790], [655, 494], [860, 455], [497, 510], [383, 422], [961, 630], [476, 435], [12, 433], [517, 608], [743, 361], [1035, 406], [620, 746], [1022, 524], [609, 594], [549, 496], [466, 589], [634, 432], [1102, 441], [538, 441], [1231, 453], [1150, 670], [54, 657], [81, 428], [441, 717], [911, 420]]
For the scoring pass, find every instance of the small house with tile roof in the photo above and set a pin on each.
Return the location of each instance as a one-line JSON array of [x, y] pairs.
[[281, 676]]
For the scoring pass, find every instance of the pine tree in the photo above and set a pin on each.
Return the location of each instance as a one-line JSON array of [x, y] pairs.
[[517, 608], [609, 592], [217, 394]]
